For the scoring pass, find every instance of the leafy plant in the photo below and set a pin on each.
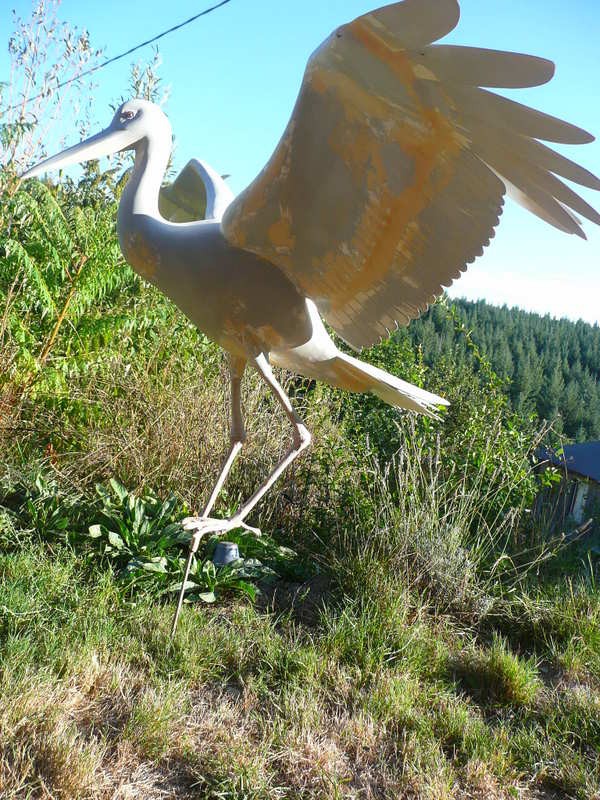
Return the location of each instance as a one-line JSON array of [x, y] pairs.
[[36, 505], [138, 534], [207, 581], [143, 538]]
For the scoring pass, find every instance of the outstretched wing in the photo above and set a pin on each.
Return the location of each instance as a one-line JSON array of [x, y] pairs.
[[198, 192], [391, 174]]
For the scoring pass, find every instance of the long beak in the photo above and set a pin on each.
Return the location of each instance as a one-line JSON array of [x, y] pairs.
[[105, 143]]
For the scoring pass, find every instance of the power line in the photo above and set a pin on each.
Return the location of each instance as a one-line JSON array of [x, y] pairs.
[[128, 52]]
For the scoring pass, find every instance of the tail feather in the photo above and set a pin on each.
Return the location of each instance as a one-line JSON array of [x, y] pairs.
[[357, 376]]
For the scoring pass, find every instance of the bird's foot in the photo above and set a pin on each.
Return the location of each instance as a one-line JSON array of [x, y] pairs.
[[201, 526]]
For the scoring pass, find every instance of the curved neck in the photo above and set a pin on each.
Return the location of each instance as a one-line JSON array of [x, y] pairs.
[[140, 196]]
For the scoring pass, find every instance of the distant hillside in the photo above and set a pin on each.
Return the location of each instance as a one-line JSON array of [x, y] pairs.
[[553, 365]]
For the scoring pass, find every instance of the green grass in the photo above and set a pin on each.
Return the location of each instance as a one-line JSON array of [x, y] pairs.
[[381, 697], [496, 677]]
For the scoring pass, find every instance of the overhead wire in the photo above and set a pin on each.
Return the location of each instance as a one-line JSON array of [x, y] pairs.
[[131, 50]]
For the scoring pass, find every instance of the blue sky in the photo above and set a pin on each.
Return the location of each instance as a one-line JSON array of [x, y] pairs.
[[234, 77]]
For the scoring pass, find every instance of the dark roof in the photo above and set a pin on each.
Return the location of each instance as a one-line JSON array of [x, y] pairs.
[[583, 459]]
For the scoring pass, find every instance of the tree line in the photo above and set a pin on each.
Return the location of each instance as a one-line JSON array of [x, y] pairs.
[[550, 368]]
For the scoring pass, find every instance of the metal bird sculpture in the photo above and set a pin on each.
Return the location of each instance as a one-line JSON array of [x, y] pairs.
[[388, 181]]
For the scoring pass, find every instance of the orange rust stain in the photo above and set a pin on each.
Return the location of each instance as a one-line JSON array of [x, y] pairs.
[[353, 95], [387, 224], [353, 383], [241, 339], [386, 228], [143, 258], [240, 237], [260, 191], [396, 59], [360, 156], [270, 337], [280, 234], [233, 346], [234, 337]]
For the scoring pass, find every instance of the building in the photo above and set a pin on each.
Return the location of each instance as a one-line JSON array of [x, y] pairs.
[[575, 498]]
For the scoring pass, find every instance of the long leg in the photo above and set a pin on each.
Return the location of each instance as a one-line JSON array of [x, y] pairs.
[[301, 440], [237, 439], [237, 430]]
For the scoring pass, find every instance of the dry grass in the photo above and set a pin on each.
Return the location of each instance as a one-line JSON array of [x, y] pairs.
[[96, 704], [171, 436], [104, 734]]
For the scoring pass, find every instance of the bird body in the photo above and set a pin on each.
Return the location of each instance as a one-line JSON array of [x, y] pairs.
[[243, 302], [388, 181], [239, 300]]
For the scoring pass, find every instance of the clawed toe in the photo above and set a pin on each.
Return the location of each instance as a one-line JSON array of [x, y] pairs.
[[249, 528], [192, 523], [204, 525]]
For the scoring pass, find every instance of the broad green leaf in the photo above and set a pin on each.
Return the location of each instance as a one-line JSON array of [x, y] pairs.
[[248, 589], [139, 512], [173, 529], [176, 587], [155, 565], [116, 540], [118, 488]]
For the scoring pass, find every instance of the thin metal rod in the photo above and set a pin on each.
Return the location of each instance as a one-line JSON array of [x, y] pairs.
[[186, 575]]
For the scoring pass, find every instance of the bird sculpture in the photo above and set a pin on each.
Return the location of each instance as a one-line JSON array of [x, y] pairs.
[[388, 181]]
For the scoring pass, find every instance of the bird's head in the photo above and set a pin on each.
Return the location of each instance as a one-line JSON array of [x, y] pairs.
[[135, 121]]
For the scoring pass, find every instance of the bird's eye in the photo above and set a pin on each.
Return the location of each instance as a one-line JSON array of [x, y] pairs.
[[127, 114]]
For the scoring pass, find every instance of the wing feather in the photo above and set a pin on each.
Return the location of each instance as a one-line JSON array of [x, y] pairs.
[[530, 150], [198, 192], [184, 200], [526, 175], [390, 177], [475, 66], [415, 23], [500, 112], [531, 198]]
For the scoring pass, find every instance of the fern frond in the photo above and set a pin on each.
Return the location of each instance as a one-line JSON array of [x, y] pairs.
[[100, 330], [19, 259], [51, 221], [101, 278]]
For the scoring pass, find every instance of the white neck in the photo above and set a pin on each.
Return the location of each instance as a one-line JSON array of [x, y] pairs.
[[140, 196]]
